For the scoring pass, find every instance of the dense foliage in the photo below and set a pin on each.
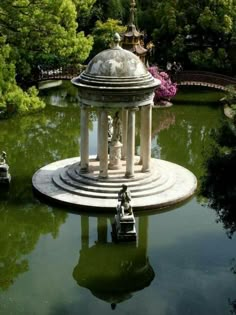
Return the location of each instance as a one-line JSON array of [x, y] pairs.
[[12, 97], [104, 32], [195, 32], [43, 30], [198, 34], [102, 11], [37, 32]]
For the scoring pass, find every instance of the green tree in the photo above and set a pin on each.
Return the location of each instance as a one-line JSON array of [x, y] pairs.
[[186, 30], [12, 97], [103, 34], [83, 5], [101, 11], [43, 30], [115, 9]]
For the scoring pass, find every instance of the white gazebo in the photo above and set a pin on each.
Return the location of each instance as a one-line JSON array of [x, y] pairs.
[[116, 80]]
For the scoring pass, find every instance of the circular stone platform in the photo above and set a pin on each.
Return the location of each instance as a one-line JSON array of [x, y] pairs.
[[165, 185]]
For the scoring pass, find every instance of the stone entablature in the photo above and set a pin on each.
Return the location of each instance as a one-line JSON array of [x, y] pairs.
[[111, 99]]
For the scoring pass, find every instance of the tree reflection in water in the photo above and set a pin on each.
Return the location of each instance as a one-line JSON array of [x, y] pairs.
[[218, 184], [233, 303], [20, 232], [31, 142]]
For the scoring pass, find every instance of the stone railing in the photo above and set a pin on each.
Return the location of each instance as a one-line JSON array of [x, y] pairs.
[[204, 78], [59, 73]]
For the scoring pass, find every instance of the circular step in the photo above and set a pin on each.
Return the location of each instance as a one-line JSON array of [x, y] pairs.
[[166, 184]]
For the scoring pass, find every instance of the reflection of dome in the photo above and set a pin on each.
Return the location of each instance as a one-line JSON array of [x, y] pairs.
[[113, 272]]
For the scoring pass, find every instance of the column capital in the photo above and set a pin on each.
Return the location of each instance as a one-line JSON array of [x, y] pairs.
[[132, 109], [83, 106], [146, 106]]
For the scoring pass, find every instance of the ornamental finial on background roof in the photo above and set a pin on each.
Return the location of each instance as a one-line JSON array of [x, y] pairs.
[[132, 12]]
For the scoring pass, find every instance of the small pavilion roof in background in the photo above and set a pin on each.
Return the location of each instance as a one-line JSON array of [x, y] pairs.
[[132, 38]]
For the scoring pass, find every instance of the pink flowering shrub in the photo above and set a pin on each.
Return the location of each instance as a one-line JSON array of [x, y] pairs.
[[167, 89]]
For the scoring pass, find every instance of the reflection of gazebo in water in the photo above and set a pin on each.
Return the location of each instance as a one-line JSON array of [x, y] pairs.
[[113, 272], [115, 79]]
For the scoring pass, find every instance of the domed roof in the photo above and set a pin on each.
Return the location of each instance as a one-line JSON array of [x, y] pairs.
[[118, 77], [116, 62], [116, 67]]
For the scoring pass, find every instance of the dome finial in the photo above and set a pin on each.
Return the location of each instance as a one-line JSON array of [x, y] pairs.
[[116, 40]]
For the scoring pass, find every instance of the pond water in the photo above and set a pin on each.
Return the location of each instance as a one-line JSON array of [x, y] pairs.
[[54, 261]]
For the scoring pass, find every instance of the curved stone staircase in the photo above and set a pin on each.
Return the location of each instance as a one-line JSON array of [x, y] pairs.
[[166, 184]]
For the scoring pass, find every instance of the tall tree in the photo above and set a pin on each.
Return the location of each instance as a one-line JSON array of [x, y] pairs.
[[185, 30], [12, 97], [102, 10], [42, 30], [104, 32]]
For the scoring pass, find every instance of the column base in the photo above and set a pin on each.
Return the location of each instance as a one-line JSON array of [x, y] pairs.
[[128, 175], [103, 175], [148, 170], [84, 170]]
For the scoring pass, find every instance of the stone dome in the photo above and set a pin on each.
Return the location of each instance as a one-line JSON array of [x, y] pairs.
[[116, 67], [116, 62], [116, 76]]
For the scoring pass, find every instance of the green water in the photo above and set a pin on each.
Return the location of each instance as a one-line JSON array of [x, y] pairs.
[[56, 262]]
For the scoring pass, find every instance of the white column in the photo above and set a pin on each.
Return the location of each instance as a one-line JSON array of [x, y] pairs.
[[130, 144], [142, 132], [124, 133], [98, 134], [146, 137], [84, 140], [103, 151]]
